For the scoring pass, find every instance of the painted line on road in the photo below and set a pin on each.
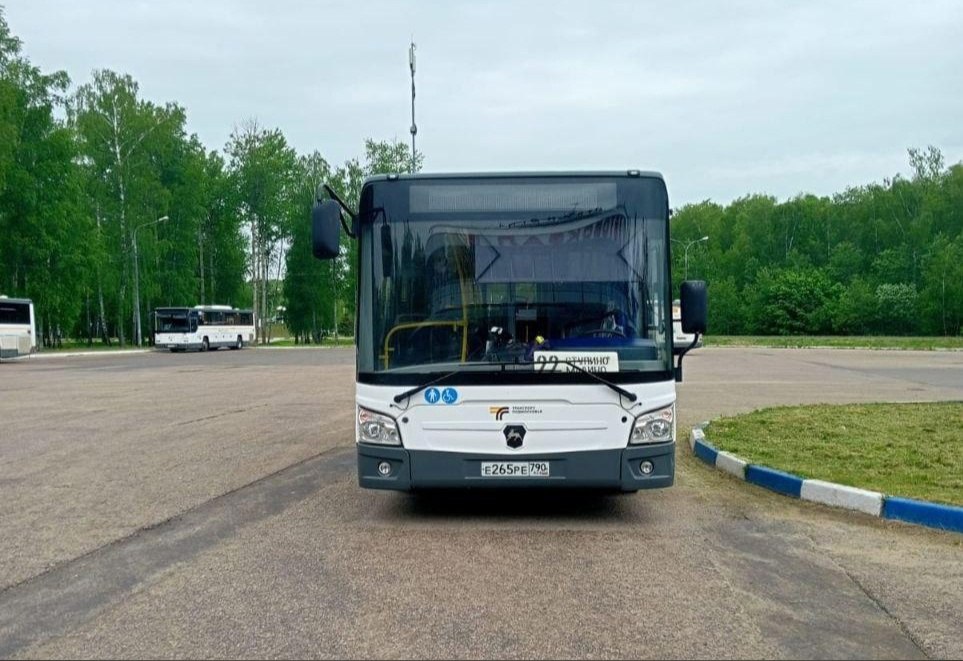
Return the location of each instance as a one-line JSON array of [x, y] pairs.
[[907, 510]]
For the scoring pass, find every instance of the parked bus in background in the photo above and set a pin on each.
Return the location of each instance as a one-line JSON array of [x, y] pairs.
[[202, 327], [513, 330], [18, 327]]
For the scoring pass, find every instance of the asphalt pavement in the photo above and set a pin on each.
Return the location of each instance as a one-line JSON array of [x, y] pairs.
[[185, 505]]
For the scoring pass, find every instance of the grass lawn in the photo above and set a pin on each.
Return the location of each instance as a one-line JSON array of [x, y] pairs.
[[911, 450], [835, 341]]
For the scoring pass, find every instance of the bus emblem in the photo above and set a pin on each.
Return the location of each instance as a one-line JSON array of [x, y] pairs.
[[514, 436]]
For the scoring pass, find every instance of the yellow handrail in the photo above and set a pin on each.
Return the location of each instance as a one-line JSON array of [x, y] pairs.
[[426, 324], [464, 308]]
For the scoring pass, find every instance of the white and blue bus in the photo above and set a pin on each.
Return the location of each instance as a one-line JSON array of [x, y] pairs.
[[513, 329], [18, 327], [203, 327]]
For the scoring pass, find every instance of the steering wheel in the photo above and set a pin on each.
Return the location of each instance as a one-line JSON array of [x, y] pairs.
[[602, 332]]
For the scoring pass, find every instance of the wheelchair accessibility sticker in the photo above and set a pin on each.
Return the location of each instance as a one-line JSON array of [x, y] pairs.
[[448, 395]]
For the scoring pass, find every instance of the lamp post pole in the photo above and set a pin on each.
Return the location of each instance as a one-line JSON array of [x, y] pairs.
[[414, 127], [138, 340], [686, 252]]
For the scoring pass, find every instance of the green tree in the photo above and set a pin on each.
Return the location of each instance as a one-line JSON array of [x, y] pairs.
[[897, 308], [845, 262], [380, 157], [727, 307], [794, 302], [43, 232], [855, 309], [222, 249], [309, 284], [130, 150], [941, 300], [263, 169]]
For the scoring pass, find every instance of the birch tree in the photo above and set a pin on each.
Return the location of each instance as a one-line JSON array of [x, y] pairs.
[[263, 168]]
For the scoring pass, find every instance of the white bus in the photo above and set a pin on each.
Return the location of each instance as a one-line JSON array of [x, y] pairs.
[[203, 327], [513, 330], [18, 327]]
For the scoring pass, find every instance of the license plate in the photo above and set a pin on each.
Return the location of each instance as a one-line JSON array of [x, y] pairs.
[[515, 469]]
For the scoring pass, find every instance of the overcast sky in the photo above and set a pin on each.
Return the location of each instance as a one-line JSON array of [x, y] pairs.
[[723, 98]]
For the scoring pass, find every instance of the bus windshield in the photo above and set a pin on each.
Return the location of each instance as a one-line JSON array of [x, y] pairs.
[[477, 275], [14, 313], [172, 322]]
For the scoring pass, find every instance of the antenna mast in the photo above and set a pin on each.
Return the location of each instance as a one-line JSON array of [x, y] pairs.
[[414, 127]]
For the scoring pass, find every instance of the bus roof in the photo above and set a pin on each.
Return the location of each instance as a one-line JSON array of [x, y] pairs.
[[24, 301], [402, 176]]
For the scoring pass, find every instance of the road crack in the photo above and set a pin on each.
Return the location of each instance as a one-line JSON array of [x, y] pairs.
[[873, 598]]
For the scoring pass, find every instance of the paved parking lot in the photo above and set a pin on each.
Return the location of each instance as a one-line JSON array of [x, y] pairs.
[[206, 505]]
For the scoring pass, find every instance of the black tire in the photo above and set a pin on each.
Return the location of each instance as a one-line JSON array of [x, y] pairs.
[[205, 345], [240, 343]]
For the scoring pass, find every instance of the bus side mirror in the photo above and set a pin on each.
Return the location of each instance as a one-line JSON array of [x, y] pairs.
[[326, 230], [694, 300]]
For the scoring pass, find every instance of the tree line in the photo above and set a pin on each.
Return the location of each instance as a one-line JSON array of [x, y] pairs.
[[107, 202], [110, 207], [880, 259]]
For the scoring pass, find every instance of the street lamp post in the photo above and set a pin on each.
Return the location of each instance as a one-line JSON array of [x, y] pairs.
[[414, 127], [138, 340], [686, 252]]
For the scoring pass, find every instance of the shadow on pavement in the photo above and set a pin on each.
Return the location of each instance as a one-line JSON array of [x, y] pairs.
[[513, 504]]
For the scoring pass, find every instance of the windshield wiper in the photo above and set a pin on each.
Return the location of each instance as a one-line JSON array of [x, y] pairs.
[[622, 391], [417, 389], [574, 214], [631, 396]]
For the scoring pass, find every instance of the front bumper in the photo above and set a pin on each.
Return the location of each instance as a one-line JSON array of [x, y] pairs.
[[179, 346], [595, 469]]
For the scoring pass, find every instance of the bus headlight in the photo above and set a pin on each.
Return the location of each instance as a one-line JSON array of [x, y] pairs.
[[377, 428], [654, 427]]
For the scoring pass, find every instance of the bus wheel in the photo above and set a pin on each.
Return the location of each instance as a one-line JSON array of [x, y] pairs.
[[205, 345], [240, 343]]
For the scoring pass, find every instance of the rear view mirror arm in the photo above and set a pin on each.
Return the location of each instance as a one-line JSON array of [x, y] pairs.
[[352, 214], [678, 365]]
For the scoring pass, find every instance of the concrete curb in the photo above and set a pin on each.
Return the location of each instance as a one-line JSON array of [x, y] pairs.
[[920, 512], [76, 354]]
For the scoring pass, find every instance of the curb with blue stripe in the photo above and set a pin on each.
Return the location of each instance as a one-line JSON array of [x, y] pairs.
[[920, 512]]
